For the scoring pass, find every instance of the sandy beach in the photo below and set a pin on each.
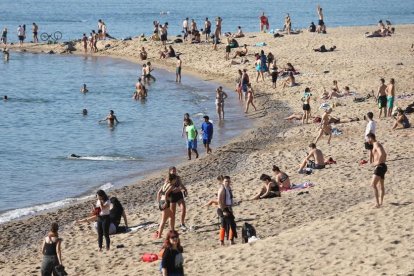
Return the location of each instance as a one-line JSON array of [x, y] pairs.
[[331, 230]]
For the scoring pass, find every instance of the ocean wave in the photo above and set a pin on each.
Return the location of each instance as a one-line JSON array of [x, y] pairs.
[[104, 158], [29, 211]]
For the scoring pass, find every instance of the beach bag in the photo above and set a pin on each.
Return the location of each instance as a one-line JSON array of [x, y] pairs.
[[248, 231], [60, 270], [149, 257]]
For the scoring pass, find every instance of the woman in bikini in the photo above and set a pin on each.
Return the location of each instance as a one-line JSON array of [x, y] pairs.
[[306, 105], [250, 98], [178, 192], [269, 189], [164, 199], [282, 179], [239, 84], [325, 127], [220, 97]]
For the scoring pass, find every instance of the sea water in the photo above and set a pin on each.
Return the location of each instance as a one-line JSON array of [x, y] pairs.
[[42, 125], [133, 17]]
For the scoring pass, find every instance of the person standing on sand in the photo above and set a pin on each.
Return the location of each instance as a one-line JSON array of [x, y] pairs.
[[100, 27], [191, 134], [207, 132], [164, 199], [111, 118], [220, 97], [325, 127], [85, 43], [178, 69], [218, 27], [288, 24], [318, 161], [264, 23], [4, 36], [178, 192], [20, 35], [380, 157], [390, 96], [51, 250], [207, 29], [35, 30], [185, 28], [382, 98], [95, 41], [245, 80], [91, 42], [250, 98], [225, 212], [104, 221], [273, 73], [306, 105], [370, 128]]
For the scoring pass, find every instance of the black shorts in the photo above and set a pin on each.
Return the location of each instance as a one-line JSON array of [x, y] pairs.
[[272, 195], [306, 107], [176, 197], [164, 37], [274, 77], [228, 49], [208, 31], [99, 31], [34, 33], [368, 146], [321, 23], [21, 37], [382, 102], [380, 170], [313, 165]]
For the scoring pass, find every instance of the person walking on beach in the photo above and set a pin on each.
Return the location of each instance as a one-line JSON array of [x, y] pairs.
[[264, 23], [325, 127], [382, 98], [51, 250], [178, 193], [4, 36], [220, 97], [225, 212], [164, 200], [370, 128], [178, 69], [250, 99], [186, 117], [35, 30], [85, 43], [390, 96], [103, 223], [245, 80], [379, 157], [321, 24], [111, 118], [191, 134], [274, 73], [207, 132], [172, 255], [20, 35], [306, 105]]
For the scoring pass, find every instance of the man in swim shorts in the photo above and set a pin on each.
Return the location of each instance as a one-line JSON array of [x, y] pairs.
[[207, 131], [207, 28], [390, 96], [382, 98], [318, 161], [380, 157]]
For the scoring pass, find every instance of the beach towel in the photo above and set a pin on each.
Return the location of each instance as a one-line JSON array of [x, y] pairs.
[[303, 185], [336, 132], [260, 44], [325, 106]]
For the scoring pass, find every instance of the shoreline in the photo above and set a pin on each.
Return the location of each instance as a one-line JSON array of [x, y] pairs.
[[334, 217]]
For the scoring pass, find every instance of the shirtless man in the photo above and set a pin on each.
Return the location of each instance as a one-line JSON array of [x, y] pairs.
[[178, 69], [325, 127], [35, 30], [84, 89], [185, 28], [241, 53], [390, 90], [85, 42], [218, 27], [111, 118], [382, 98], [318, 161], [380, 157], [139, 90], [207, 28], [321, 25], [100, 29]]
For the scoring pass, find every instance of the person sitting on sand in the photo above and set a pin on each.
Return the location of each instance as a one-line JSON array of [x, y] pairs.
[[143, 53], [288, 69], [401, 120], [282, 179], [172, 260], [164, 199], [312, 27], [325, 127], [195, 37], [239, 33], [225, 212], [111, 118], [164, 53], [318, 161], [84, 89], [241, 53], [269, 189], [290, 81], [323, 49], [333, 93], [52, 252]]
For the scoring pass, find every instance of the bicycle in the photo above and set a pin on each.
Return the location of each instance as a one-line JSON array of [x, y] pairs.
[[49, 37]]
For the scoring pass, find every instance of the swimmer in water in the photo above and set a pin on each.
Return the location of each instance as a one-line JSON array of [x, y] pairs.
[[85, 112], [5, 98], [84, 89], [111, 118], [6, 54], [75, 156]]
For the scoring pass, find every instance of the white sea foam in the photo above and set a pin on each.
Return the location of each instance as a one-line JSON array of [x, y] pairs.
[[105, 158]]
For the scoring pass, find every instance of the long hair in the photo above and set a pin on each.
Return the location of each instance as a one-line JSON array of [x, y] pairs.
[[102, 194], [54, 228], [167, 244]]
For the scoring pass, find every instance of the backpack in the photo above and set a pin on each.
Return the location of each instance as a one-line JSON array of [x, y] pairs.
[[248, 231]]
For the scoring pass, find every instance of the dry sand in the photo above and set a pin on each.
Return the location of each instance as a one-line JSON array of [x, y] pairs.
[[332, 230]]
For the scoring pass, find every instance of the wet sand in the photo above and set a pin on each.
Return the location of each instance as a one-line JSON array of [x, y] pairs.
[[332, 230]]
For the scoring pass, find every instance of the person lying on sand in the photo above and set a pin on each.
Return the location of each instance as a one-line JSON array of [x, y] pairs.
[[325, 127], [323, 49], [241, 53], [401, 120], [318, 161], [269, 189], [282, 179]]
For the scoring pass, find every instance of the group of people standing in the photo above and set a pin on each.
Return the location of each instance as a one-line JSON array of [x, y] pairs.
[[21, 34]]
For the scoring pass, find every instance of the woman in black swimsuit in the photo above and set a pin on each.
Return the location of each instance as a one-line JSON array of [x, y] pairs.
[[51, 250], [282, 179], [269, 189], [164, 199], [178, 193]]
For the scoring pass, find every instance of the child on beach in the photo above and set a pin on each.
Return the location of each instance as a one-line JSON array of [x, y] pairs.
[[306, 105]]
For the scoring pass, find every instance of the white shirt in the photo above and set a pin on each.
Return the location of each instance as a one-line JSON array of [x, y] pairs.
[[20, 31], [185, 24], [105, 209], [371, 126]]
